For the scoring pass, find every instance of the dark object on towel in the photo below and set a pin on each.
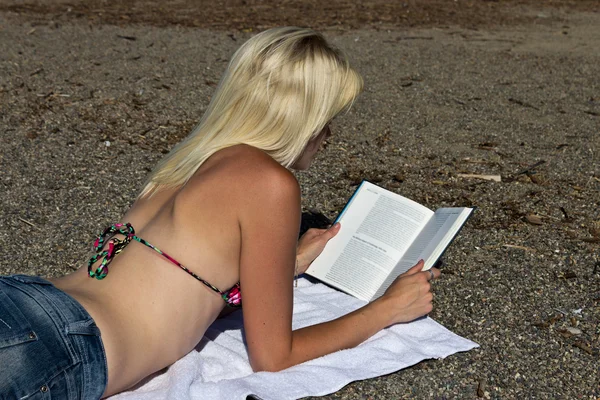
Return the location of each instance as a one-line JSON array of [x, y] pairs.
[[313, 219]]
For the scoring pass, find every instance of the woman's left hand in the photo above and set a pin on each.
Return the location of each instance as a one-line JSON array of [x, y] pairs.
[[312, 243]]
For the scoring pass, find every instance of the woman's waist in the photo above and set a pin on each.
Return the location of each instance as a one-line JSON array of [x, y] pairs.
[[133, 299], [143, 327]]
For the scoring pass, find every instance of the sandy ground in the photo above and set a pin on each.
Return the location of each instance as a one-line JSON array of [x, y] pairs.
[[88, 106]]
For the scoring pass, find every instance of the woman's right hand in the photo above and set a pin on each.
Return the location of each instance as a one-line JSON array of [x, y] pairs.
[[410, 297]]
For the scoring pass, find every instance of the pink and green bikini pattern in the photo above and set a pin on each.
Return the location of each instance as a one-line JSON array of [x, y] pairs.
[[233, 296]]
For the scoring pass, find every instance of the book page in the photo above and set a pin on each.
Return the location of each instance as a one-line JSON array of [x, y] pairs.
[[360, 268], [400, 268], [433, 239], [448, 222], [378, 227]]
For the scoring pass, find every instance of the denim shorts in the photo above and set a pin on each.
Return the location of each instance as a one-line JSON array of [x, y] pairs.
[[50, 347]]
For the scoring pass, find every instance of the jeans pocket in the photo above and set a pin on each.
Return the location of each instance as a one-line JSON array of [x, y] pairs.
[[14, 327], [63, 386]]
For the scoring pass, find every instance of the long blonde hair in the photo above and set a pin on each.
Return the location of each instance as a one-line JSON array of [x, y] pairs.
[[280, 90]]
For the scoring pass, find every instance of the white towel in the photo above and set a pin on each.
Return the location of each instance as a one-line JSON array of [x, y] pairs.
[[219, 369]]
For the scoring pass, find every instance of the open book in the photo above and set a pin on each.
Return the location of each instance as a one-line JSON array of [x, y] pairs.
[[383, 234]]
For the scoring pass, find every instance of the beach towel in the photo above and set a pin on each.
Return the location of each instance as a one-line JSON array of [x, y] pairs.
[[218, 368]]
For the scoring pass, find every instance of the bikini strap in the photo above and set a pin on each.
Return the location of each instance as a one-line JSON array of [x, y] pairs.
[[177, 263], [115, 246]]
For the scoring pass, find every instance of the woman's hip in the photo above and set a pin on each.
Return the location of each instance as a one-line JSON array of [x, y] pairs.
[[50, 346]]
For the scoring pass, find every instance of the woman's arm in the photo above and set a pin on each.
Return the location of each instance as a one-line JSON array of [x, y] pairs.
[[269, 222]]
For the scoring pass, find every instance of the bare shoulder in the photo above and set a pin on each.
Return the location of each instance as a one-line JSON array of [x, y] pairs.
[[245, 178], [254, 172]]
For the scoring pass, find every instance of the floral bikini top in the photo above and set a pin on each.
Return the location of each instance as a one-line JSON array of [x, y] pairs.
[[233, 296]]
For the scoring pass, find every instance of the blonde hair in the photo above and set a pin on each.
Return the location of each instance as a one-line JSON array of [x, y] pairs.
[[279, 91]]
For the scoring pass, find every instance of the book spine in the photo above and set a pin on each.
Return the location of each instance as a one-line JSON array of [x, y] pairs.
[[341, 214]]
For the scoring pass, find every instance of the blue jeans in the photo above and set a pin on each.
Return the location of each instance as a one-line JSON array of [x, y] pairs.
[[50, 347]]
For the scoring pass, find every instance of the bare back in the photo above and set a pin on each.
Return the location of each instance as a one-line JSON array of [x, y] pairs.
[[150, 312]]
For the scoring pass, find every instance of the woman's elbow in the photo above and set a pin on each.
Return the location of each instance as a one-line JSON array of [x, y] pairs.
[[268, 363]]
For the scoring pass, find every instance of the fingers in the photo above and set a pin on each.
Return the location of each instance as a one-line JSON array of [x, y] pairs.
[[433, 273], [314, 232], [333, 230], [428, 274], [418, 267], [324, 234]]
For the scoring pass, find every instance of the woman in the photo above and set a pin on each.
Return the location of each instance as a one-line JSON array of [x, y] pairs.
[[227, 210]]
